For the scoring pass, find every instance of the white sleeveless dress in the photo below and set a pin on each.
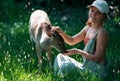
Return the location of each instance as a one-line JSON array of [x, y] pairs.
[[65, 65]]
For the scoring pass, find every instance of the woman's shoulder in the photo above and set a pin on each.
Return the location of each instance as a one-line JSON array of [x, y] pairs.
[[103, 34]]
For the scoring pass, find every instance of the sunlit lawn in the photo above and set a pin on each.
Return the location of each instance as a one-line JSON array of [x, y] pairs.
[[17, 63]]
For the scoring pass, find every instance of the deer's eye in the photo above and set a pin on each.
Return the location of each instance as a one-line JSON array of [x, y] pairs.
[[59, 44]]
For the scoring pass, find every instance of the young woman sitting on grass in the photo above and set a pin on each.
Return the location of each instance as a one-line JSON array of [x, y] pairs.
[[95, 38]]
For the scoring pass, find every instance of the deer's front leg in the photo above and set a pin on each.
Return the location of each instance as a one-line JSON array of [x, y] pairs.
[[49, 56], [38, 51]]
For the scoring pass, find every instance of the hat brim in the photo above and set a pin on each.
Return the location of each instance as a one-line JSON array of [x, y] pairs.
[[89, 6]]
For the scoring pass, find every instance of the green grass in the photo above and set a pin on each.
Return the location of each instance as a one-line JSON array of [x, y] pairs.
[[17, 63]]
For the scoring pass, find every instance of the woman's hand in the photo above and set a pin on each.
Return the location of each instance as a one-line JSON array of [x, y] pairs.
[[57, 29], [72, 51]]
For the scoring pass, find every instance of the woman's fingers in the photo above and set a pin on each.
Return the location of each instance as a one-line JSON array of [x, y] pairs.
[[57, 28]]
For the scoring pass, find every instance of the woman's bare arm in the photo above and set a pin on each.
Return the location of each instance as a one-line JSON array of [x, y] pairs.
[[71, 40]]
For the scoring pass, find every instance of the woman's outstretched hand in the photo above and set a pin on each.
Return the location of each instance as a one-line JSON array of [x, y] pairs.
[[72, 51]]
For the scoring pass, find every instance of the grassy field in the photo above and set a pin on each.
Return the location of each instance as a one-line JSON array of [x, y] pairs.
[[17, 63]]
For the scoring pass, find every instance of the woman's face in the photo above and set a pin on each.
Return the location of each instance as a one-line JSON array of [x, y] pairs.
[[95, 16]]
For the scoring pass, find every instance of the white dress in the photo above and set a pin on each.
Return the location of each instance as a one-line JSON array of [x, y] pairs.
[[65, 65]]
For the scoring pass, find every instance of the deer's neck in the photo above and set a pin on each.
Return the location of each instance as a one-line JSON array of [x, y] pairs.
[[44, 40]]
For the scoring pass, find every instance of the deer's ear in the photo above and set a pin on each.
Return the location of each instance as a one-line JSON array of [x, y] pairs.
[[49, 34]]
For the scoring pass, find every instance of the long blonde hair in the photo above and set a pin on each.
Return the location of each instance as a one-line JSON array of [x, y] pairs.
[[88, 22]]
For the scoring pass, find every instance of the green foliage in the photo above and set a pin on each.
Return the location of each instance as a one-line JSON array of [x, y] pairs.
[[19, 63]]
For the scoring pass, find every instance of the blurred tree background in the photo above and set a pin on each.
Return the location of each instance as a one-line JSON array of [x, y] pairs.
[[19, 9]]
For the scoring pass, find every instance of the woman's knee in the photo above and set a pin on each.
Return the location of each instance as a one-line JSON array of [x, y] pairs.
[[59, 56]]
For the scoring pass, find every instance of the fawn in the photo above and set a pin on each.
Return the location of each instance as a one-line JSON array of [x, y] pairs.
[[42, 37]]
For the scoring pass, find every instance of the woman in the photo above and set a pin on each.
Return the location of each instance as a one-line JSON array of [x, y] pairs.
[[95, 38]]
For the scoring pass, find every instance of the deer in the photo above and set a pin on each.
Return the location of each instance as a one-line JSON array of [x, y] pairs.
[[42, 38]]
